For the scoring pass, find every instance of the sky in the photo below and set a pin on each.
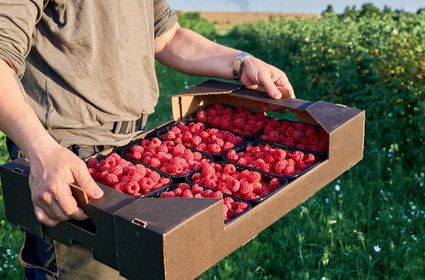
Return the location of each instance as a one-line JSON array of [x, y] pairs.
[[299, 6]]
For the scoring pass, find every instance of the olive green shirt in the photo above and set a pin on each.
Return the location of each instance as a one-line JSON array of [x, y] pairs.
[[85, 64]]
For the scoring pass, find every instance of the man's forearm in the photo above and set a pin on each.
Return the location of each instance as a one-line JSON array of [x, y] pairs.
[[199, 57], [17, 118]]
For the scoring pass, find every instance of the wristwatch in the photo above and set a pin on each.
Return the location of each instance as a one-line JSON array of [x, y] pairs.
[[238, 65]]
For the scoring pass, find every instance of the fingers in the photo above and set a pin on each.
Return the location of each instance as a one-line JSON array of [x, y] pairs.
[[259, 75], [54, 205], [86, 182], [42, 216]]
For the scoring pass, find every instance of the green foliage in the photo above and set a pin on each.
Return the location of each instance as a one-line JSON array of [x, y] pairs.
[[193, 21], [10, 236], [373, 63]]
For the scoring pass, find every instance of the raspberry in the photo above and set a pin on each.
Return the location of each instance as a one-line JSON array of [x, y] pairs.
[[120, 187], [137, 148], [238, 211], [201, 116], [241, 205], [135, 155], [197, 189], [155, 163], [175, 169], [111, 179], [246, 188], [103, 175], [274, 136], [217, 194], [132, 187], [301, 166], [228, 202], [214, 148], [155, 176], [229, 169], [239, 123], [189, 156], [117, 170], [233, 185], [146, 184], [92, 162], [139, 168], [92, 171], [279, 166], [254, 177], [105, 167], [232, 155], [170, 135], [224, 124], [164, 181], [167, 194], [206, 193], [208, 170], [183, 186], [196, 177], [178, 150], [163, 157], [297, 156], [211, 112], [251, 196], [218, 167], [187, 193], [178, 192], [111, 159], [309, 159], [274, 183], [227, 146], [196, 140], [310, 131]]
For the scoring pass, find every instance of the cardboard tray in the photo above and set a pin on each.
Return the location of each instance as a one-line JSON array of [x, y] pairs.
[[179, 238]]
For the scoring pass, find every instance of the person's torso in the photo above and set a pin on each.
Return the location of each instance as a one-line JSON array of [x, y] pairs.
[[92, 62]]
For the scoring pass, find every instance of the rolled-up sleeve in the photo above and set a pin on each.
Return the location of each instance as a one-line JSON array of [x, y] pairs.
[[165, 17], [17, 22]]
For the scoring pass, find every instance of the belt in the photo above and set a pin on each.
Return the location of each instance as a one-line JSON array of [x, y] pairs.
[[120, 127], [124, 127]]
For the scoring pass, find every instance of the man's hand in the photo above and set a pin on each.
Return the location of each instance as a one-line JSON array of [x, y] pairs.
[[52, 171], [261, 76]]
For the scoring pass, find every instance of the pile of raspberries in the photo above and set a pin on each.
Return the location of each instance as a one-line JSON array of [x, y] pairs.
[[226, 178], [231, 208], [238, 120], [124, 176], [199, 137], [296, 134], [274, 160], [167, 156]]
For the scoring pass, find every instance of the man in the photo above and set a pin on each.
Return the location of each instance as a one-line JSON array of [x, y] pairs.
[[88, 81]]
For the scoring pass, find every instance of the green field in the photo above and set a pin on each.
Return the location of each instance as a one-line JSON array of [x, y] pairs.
[[370, 222]]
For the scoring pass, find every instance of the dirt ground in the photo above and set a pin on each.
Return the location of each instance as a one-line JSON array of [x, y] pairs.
[[225, 20]]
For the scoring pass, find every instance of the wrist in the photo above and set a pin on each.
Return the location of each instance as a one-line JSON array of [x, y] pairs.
[[238, 65]]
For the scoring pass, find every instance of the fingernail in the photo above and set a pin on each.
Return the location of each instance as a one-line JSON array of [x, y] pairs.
[[97, 193], [277, 95]]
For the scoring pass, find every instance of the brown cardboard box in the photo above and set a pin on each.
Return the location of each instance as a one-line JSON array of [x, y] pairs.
[[179, 238]]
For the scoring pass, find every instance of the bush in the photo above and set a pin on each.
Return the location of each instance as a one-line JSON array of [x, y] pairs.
[[373, 63], [194, 22]]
